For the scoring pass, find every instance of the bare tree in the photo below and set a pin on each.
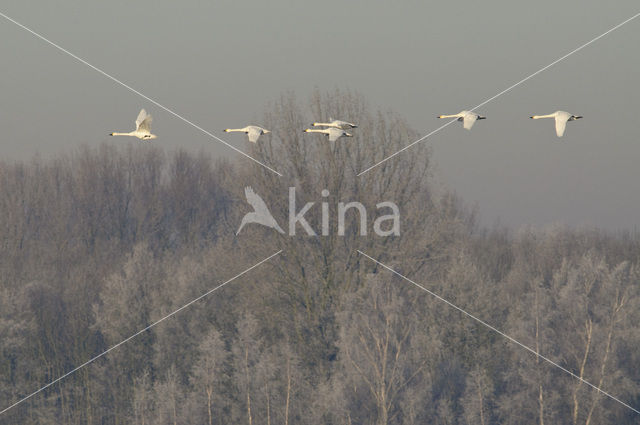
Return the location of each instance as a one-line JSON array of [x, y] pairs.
[[143, 399], [208, 371], [477, 398], [168, 398], [246, 350], [382, 349]]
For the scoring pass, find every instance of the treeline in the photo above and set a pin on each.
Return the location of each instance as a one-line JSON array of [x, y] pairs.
[[97, 244]]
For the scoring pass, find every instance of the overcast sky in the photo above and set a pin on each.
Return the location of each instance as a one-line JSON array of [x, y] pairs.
[[220, 63]]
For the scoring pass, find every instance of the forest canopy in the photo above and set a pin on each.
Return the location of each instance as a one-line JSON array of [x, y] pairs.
[[98, 243]]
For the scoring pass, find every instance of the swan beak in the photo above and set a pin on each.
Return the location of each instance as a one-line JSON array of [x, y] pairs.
[[349, 135], [482, 118], [578, 117], [266, 131], [355, 126]]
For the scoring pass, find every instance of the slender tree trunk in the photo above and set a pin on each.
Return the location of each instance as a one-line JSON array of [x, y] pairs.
[[481, 401], [286, 408], [88, 400], [541, 405], [175, 414], [540, 395], [268, 406], [618, 306], [384, 411], [246, 367], [62, 403], [383, 418], [576, 403], [209, 393]]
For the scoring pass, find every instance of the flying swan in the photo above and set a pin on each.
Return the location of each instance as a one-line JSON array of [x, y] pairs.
[[253, 131], [143, 127], [561, 117], [335, 124], [468, 118], [332, 132]]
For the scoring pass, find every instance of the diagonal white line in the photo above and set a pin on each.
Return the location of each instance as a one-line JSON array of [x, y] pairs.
[[499, 332], [408, 146], [137, 333], [175, 114], [506, 90]]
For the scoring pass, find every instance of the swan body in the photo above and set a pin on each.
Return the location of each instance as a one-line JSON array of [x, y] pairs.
[[468, 118], [253, 131], [143, 127], [260, 214], [561, 118], [332, 132], [335, 124]]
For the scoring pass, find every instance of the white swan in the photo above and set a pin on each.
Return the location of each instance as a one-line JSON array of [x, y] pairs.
[[335, 124], [561, 117], [253, 131], [143, 127], [467, 117], [332, 132]]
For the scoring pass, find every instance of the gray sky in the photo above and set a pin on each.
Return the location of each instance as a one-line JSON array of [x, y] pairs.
[[219, 64]]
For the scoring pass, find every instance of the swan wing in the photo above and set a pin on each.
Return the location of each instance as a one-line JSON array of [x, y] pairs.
[[254, 133], [344, 125], [339, 124], [334, 135], [143, 122], [468, 120], [347, 125], [561, 124], [256, 202]]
